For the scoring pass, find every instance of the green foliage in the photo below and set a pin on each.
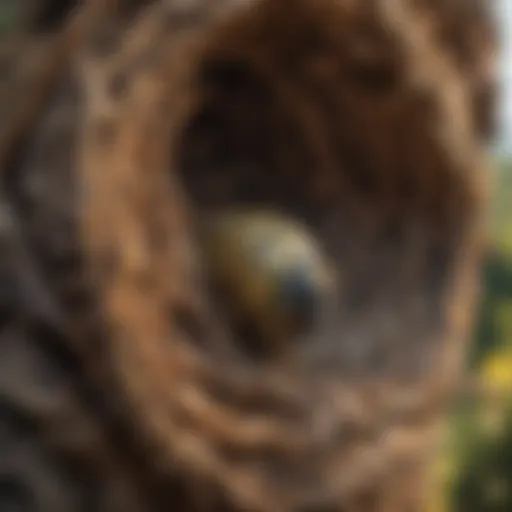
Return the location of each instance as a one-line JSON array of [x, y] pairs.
[[494, 328], [484, 479], [479, 445]]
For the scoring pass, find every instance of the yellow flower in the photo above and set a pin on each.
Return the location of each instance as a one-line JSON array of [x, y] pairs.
[[496, 372]]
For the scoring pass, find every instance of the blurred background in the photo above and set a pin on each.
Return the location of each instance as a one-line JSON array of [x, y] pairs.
[[474, 467]]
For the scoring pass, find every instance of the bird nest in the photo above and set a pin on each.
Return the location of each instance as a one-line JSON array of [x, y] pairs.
[[365, 121]]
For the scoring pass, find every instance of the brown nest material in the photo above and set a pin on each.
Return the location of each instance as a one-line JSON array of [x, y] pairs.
[[367, 120]]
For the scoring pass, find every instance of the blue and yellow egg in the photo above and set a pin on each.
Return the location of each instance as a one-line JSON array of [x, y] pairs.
[[272, 268]]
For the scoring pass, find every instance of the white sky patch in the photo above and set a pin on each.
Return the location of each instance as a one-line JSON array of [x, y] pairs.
[[504, 15]]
